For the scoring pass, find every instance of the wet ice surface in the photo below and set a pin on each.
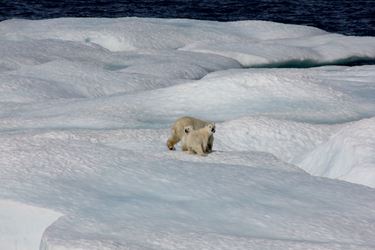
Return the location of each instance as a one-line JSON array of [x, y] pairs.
[[85, 110]]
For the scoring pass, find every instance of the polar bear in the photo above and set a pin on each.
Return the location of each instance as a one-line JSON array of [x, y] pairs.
[[178, 131], [196, 141]]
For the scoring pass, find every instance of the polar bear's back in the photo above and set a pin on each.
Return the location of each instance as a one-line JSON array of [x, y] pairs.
[[185, 121]]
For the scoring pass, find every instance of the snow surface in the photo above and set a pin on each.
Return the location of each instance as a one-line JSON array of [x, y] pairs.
[[347, 155], [22, 225], [85, 111]]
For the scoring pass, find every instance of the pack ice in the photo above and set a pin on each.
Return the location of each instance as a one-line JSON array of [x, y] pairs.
[[85, 110]]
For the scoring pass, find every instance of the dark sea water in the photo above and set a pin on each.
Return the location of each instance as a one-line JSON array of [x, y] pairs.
[[348, 17]]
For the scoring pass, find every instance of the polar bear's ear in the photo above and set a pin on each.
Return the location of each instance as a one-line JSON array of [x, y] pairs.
[[187, 129]]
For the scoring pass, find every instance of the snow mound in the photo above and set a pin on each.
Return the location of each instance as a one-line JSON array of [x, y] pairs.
[[302, 52], [348, 155], [63, 69], [251, 43], [117, 195], [22, 226], [299, 95], [288, 140]]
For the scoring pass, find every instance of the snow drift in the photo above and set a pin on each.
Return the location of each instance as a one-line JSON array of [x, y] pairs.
[[347, 155], [22, 226]]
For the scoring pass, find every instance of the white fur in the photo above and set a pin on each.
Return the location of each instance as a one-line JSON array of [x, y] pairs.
[[196, 141], [178, 131]]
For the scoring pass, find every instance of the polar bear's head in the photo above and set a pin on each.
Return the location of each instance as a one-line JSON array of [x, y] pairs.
[[188, 129], [211, 128]]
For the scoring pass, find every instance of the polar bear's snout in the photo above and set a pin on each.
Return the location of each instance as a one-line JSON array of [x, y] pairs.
[[212, 127]]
